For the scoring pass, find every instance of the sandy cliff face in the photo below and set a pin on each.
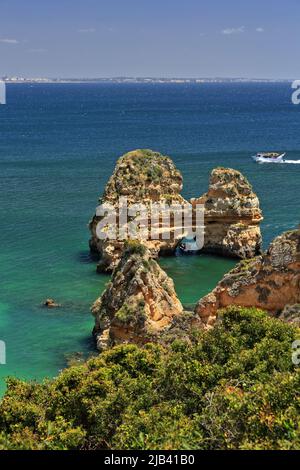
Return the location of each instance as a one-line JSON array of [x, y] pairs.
[[138, 304], [232, 215], [142, 176], [270, 282]]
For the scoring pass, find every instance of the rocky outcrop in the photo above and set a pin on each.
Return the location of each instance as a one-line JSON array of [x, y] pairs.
[[269, 282], [142, 176], [291, 314], [232, 215], [138, 304], [232, 212], [50, 303]]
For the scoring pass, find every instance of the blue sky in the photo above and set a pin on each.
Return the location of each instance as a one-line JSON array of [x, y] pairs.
[[167, 38]]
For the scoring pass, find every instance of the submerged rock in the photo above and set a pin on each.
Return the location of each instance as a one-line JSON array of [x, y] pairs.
[[232, 215], [142, 176], [138, 304], [269, 282]]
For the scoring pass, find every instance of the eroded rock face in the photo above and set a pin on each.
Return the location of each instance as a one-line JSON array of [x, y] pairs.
[[269, 282], [142, 176], [291, 314], [138, 304], [232, 215]]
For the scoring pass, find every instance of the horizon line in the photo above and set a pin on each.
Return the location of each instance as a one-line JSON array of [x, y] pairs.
[[15, 78]]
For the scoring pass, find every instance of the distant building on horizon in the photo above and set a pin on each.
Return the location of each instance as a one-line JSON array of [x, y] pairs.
[[2, 92]]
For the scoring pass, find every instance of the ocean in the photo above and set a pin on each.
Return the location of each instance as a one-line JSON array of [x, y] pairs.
[[58, 146]]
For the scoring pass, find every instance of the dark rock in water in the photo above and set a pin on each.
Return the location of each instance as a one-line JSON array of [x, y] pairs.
[[75, 358], [50, 303]]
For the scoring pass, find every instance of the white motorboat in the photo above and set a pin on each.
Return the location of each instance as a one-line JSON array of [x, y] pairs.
[[269, 157]]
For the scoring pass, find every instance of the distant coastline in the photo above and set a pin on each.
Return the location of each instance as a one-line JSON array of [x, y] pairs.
[[143, 80]]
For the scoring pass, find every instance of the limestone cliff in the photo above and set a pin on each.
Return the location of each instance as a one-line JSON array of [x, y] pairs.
[[138, 304], [270, 282], [232, 215], [142, 176]]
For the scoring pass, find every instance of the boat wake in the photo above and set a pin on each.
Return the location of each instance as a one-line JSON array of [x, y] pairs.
[[295, 162]]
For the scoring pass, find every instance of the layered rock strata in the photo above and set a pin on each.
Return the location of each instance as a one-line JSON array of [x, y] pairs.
[[270, 282], [232, 215]]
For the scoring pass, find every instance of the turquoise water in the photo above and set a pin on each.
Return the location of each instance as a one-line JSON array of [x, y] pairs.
[[58, 146]]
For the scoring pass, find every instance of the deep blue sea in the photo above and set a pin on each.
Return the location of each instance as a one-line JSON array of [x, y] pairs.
[[58, 146]]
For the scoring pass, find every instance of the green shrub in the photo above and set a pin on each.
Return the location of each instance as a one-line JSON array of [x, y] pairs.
[[132, 315], [134, 247], [233, 387]]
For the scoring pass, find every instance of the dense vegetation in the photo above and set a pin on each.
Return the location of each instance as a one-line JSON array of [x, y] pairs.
[[232, 387]]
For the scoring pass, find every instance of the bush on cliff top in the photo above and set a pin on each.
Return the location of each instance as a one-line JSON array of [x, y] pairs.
[[134, 247], [232, 387]]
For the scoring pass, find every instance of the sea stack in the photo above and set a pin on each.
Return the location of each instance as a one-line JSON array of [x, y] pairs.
[[141, 176], [270, 282], [138, 304], [232, 215]]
